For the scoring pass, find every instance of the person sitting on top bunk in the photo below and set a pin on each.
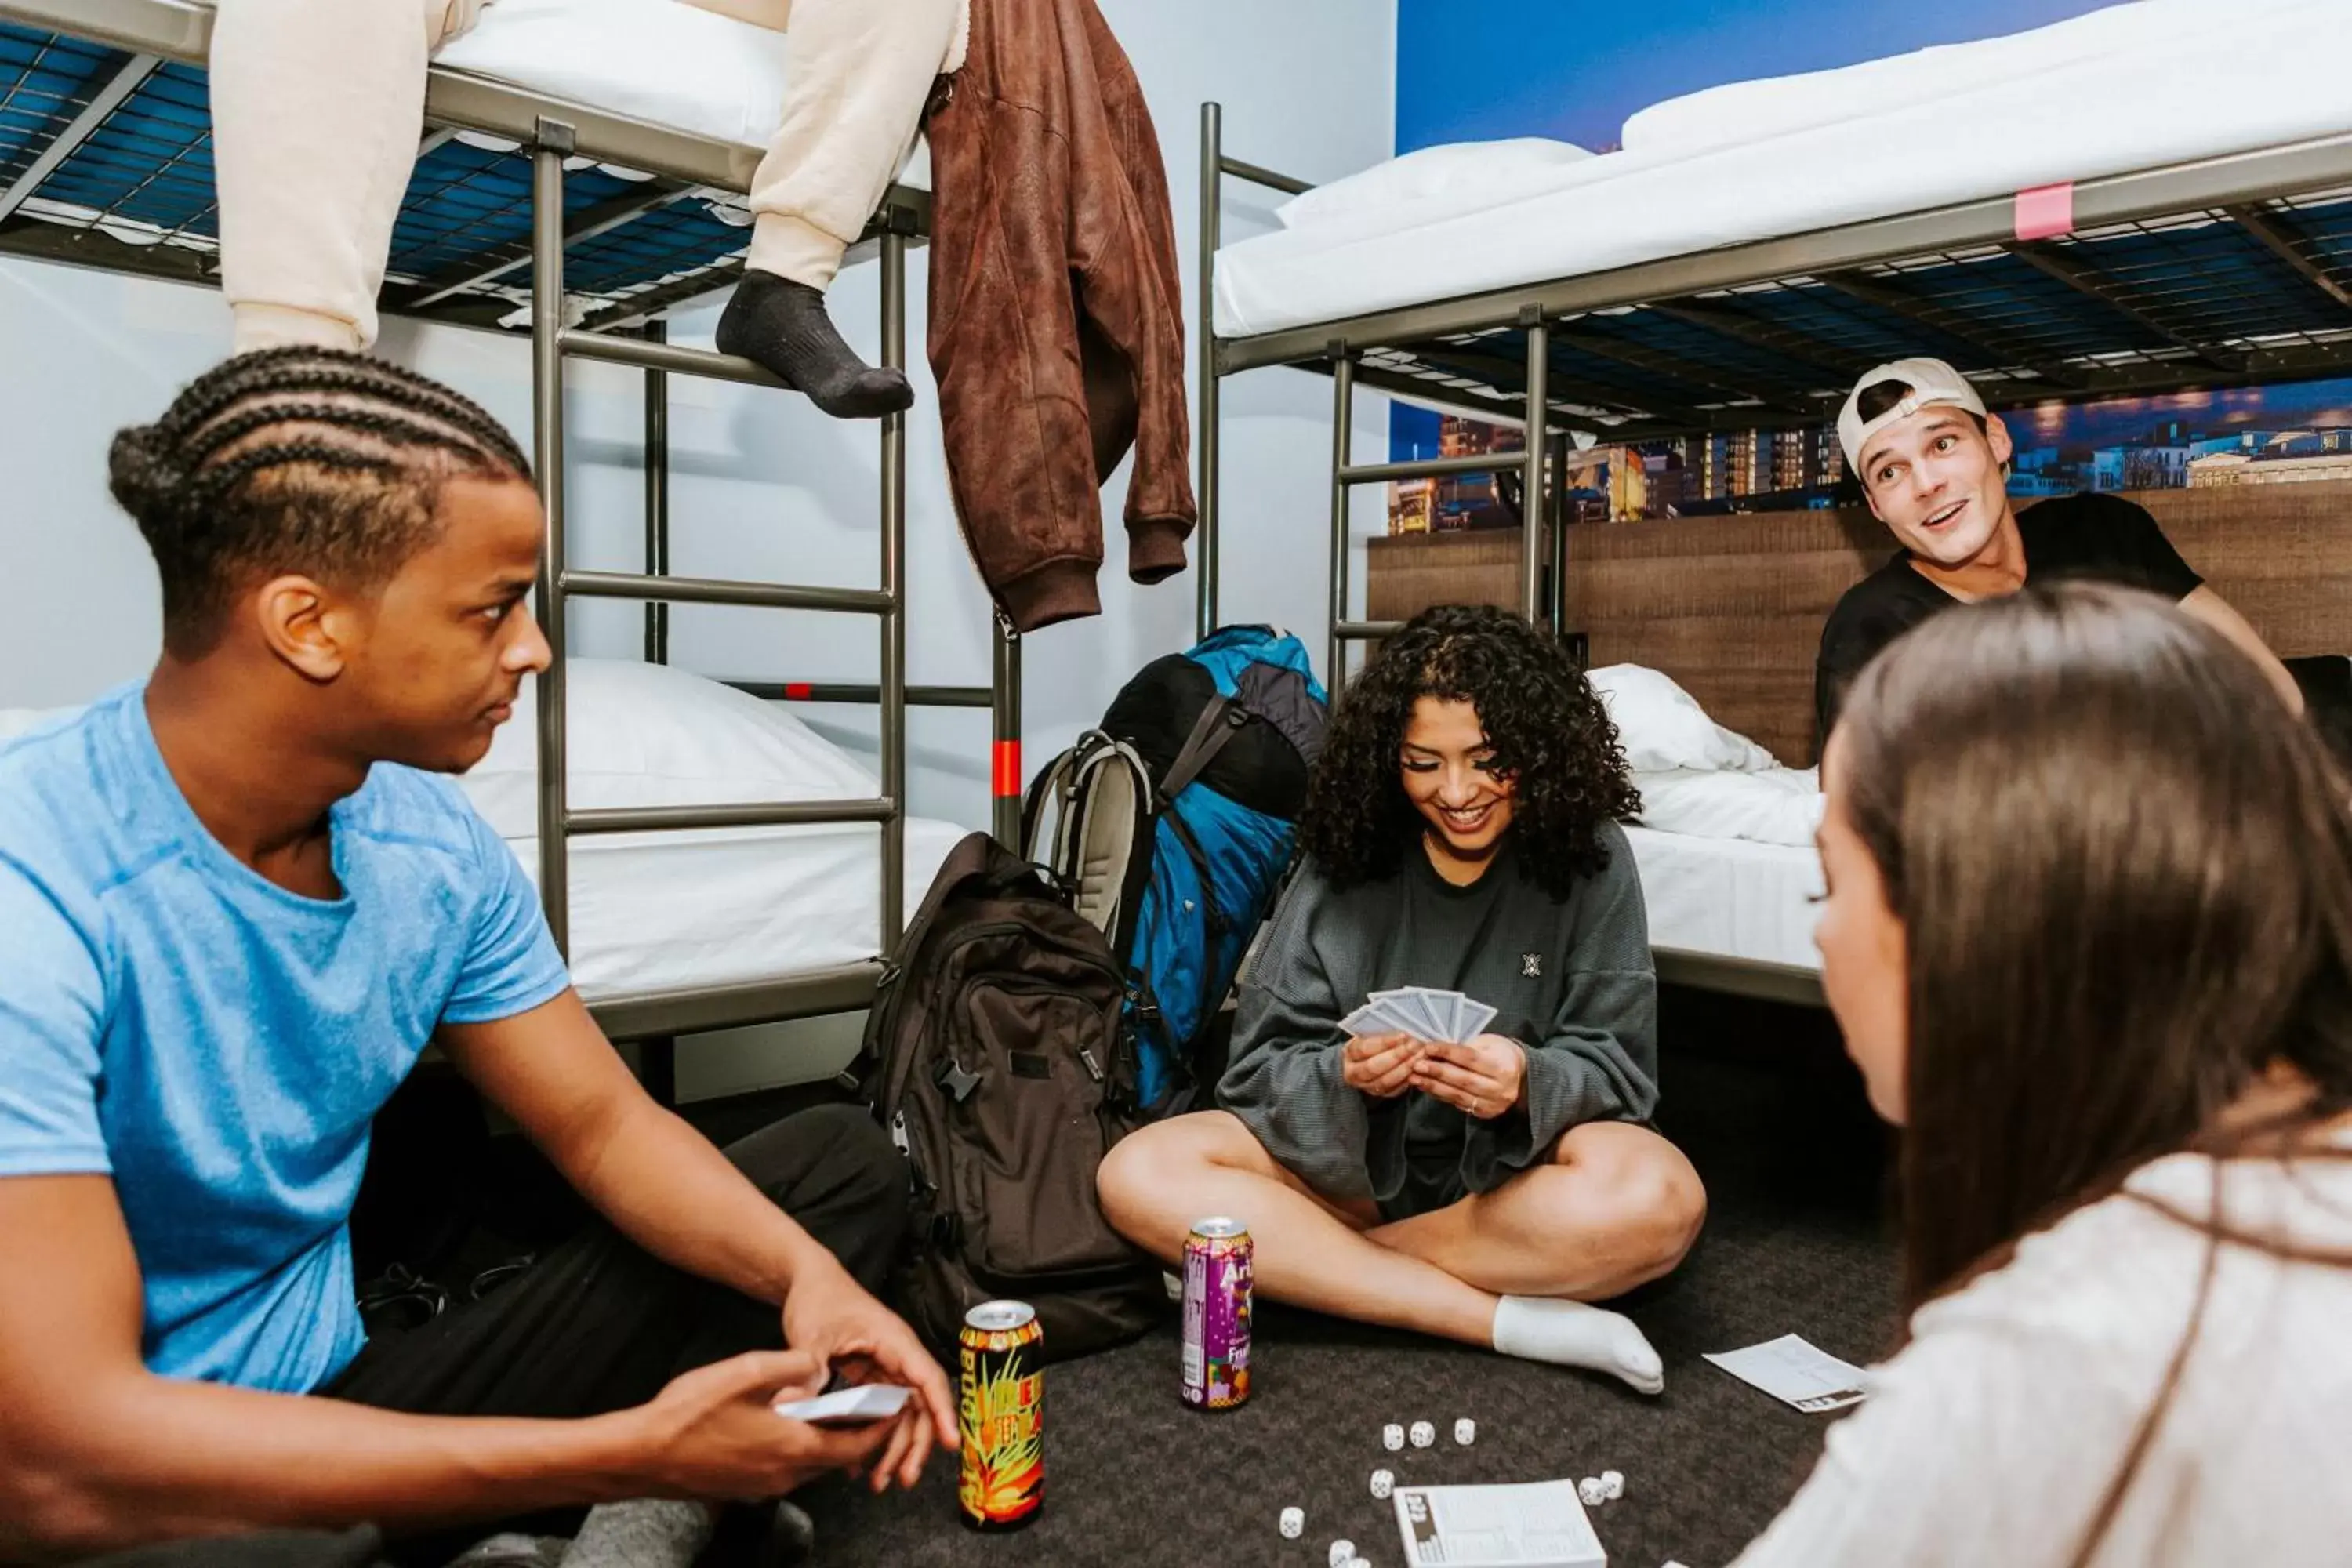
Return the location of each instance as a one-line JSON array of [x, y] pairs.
[[2120, 1047], [1459, 834], [236, 900], [316, 109], [1931, 462]]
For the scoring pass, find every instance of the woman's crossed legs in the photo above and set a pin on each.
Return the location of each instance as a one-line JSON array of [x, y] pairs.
[[1612, 1206]]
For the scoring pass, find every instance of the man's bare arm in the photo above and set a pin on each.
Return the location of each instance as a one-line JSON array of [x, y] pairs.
[[96, 1453], [654, 1176], [2222, 616], [664, 1187]]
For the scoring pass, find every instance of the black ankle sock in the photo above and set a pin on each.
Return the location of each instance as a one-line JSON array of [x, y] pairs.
[[782, 325]]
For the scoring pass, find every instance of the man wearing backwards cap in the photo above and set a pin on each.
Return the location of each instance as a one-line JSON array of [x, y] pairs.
[[1932, 464]]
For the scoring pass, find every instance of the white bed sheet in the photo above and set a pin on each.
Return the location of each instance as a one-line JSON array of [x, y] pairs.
[[1729, 897], [2232, 83], [660, 61], [1769, 805], [662, 912]]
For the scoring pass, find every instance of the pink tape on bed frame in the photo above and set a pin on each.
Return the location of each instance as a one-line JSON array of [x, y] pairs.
[[2044, 212]]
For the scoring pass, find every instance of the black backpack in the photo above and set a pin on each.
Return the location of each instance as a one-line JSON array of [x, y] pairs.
[[997, 1058]]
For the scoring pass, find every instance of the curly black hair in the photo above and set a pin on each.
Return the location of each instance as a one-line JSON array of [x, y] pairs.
[[1550, 732]]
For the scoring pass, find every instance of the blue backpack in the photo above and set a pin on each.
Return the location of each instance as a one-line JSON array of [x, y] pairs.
[[1173, 825]]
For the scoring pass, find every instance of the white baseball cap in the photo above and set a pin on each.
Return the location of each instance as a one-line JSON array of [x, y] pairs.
[[1931, 381]]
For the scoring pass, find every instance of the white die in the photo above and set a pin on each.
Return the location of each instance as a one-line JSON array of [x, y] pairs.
[[1593, 1490], [1615, 1482], [1465, 1431], [1342, 1553], [1393, 1437], [1293, 1524], [1356, 1562], [1383, 1484], [1423, 1434]]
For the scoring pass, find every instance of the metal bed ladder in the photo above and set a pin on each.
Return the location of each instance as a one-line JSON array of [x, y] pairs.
[[1541, 505], [552, 343]]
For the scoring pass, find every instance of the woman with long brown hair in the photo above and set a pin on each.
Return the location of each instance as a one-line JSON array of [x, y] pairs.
[[2088, 934]]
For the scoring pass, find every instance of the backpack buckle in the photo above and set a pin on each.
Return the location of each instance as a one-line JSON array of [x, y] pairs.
[[957, 1083]]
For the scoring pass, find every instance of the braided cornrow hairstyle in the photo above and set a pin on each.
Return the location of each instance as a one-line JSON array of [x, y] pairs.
[[304, 460]]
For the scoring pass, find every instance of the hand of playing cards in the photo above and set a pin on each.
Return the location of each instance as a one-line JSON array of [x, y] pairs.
[[1421, 1012]]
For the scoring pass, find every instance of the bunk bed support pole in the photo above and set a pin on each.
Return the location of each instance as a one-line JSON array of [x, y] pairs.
[[656, 495], [554, 142], [1204, 327], [1343, 441], [1556, 508], [1004, 733], [893, 618], [1531, 482]]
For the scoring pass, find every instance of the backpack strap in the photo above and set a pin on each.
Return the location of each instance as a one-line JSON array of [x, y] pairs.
[[1052, 780], [1220, 718]]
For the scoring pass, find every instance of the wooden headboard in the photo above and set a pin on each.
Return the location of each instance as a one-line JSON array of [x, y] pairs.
[[1732, 607]]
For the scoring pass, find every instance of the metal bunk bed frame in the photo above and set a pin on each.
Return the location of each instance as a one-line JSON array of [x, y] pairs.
[[2221, 271], [627, 329]]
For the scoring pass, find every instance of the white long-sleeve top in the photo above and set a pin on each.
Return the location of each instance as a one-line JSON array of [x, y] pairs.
[[1992, 1436]]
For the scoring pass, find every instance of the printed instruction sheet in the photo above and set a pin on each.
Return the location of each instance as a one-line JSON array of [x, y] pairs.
[[1795, 1372], [1535, 1524]]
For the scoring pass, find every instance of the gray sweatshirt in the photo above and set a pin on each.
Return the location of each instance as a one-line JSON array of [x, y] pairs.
[[1570, 980]]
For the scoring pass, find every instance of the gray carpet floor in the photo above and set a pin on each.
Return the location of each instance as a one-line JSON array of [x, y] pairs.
[[1795, 1241]]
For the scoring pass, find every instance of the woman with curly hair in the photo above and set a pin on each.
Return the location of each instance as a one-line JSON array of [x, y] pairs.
[[1459, 834]]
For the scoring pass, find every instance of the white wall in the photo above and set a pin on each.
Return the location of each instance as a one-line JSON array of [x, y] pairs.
[[761, 485]]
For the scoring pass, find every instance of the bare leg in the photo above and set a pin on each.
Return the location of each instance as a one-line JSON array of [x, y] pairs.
[[1615, 1206], [1310, 1252]]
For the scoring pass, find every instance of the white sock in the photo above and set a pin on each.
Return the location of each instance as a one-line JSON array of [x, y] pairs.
[[1572, 1333]]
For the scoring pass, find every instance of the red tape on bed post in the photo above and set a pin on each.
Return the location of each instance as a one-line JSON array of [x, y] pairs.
[[799, 691], [2044, 212], [1007, 769]]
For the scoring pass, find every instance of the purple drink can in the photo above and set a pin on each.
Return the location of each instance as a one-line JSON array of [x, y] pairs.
[[1217, 1314]]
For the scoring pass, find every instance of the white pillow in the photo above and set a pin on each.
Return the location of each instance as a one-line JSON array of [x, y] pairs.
[[1663, 728], [1459, 169], [647, 735]]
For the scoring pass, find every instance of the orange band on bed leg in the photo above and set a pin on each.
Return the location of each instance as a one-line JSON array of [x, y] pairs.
[[1008, 768], [2044, 212]]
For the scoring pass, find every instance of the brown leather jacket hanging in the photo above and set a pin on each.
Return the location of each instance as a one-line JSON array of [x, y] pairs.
[[1057, 313]]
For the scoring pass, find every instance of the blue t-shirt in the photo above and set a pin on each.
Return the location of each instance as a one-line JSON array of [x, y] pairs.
[[220, 1046]]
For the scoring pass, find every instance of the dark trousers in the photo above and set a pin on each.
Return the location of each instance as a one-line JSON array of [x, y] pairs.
[[601, 1324]]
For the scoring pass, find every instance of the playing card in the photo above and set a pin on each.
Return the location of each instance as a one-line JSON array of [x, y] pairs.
[[1380, 1016], [1399, 1006], [1473, 1020], [1435, 1009]]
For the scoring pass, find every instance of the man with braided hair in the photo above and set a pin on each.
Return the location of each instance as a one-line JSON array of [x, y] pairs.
[[316, 105], [236, 900]]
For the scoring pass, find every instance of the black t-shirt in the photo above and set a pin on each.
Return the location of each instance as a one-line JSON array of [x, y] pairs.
[[2104, 538]]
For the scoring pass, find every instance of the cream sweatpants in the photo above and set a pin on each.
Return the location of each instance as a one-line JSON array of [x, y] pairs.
[[317, 106]]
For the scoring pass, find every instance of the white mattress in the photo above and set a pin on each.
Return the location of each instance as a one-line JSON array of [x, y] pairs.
[[660, 61], [2215, 80], [661, 911], [1729, 897]]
